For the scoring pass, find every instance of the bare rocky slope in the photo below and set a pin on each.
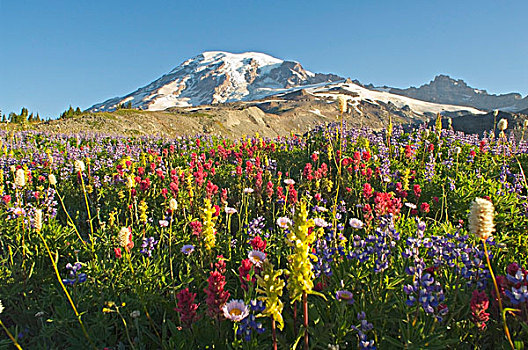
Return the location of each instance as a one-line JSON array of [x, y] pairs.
[[292, 112]]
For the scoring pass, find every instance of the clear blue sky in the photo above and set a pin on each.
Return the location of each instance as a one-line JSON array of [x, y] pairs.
[[57, 53]]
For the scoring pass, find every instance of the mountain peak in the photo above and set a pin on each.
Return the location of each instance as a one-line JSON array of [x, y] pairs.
[[217, 77]]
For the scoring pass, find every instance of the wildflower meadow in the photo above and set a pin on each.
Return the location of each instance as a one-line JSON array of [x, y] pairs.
[[342, 238]]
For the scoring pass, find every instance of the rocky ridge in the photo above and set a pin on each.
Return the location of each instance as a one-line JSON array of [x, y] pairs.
[[446, 90]]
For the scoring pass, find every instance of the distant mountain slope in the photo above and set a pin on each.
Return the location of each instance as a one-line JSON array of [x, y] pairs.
[[444, 89], [217, 77], [296, 109]]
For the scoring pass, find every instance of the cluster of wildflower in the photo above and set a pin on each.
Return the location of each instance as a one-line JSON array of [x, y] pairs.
[[429, 171], [256, 226], [257, 243], [362, 329], [217, 296], [187, 307], [513, 183], [148, 246], [515, 285], [378, 244], [249, 324], [456, 250], [49, 204], [74, 276], [424, 289], [325, 256], [142, 207]]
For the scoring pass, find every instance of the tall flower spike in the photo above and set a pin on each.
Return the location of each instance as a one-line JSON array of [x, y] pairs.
[[481, 218], [342, 104], [270, 285], [208, 230], [299, 263], [38, 219]]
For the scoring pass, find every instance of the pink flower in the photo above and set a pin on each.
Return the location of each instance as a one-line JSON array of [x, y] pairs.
[[479, 305], [367, 191], [216, 294], [258, 243], [186, 307]]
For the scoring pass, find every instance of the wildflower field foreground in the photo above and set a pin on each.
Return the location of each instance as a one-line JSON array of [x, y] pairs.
[[337, 239]]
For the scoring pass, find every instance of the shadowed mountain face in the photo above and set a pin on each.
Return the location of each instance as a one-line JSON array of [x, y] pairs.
[[218, 77], [444, 89]]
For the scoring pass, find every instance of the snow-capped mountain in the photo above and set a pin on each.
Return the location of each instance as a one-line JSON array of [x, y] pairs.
[[217, 77], [444, 89]]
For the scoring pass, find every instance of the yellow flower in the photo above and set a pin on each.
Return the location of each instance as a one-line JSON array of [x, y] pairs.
[[299, 263], [208, 230], [270, 284], [143, 212]]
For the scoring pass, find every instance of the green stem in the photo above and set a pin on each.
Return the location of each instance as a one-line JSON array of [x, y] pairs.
[[126, 330], [88, 210], [13, 339], [305, 312], [506, 330], [65, 290], [70, 220]]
